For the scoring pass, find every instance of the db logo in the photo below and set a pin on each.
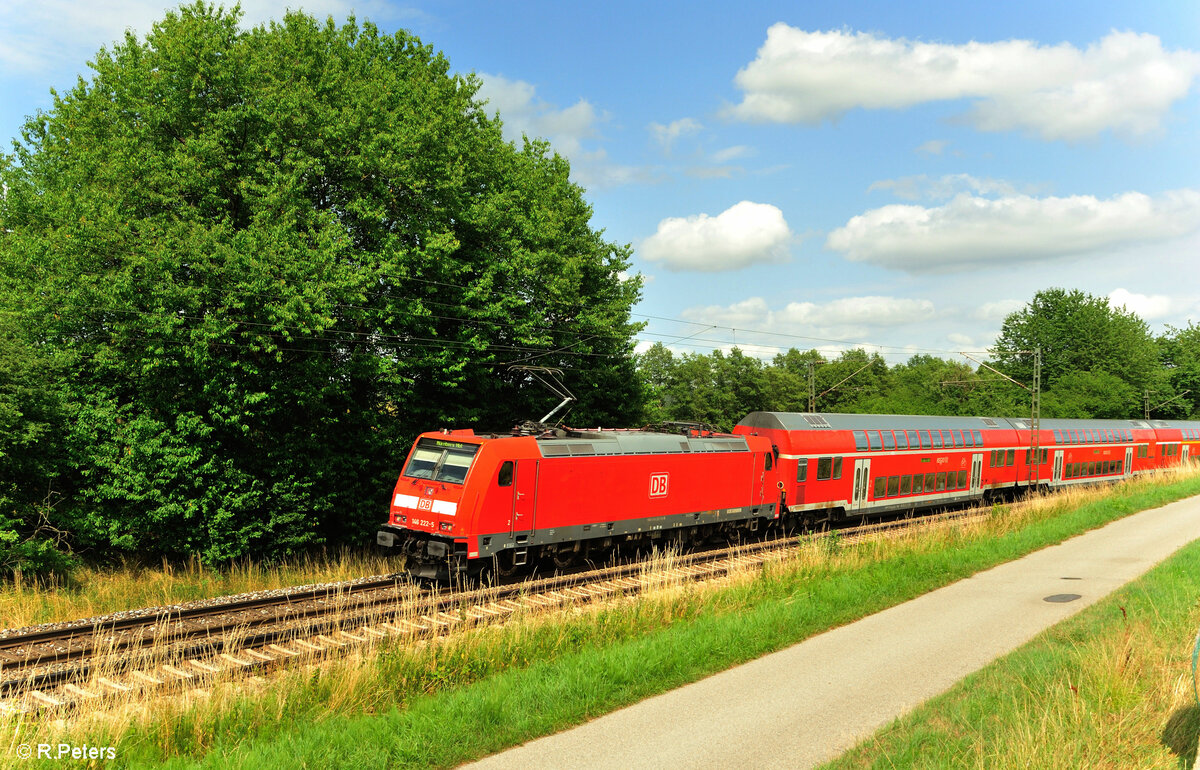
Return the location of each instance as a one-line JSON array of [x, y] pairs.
[[425, 504], [658, 485]]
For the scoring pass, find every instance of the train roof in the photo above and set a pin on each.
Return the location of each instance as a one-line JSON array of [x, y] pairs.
[[638, 443], [834, 421]]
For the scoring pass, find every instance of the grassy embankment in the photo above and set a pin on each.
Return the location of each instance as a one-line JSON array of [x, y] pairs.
[[1111, 687], [92, 591], [440, 704]]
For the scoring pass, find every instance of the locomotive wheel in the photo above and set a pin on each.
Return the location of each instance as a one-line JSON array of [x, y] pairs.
[[563, 558]]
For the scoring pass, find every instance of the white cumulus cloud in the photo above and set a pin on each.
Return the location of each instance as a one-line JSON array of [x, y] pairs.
[[666, 135], [847, 318], [1148, 307], [972, 231], [947, 186], [571, 131], [744, 234], [1125, 82]]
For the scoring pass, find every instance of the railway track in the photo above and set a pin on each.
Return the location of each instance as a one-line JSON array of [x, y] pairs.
[[147, 651]]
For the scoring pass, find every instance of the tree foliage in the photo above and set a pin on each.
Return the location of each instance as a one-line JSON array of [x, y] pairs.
[[260, 261], [1080, 334]]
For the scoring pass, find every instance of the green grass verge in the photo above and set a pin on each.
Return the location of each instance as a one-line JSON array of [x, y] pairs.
[[1109, 688], [441, 705]]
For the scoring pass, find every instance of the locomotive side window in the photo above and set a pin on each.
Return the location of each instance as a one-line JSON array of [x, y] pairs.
[[802, 472], [767, 464], [925, 443], [860, 440], [505, 477]]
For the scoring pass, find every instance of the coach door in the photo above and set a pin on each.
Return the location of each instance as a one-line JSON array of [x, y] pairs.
[[862, 481], [524, 501], [976, 473], [1058, 463], [1183, 454], [1128, 462]]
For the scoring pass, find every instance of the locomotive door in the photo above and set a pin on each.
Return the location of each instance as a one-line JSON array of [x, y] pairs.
[[524, 500], [1058, 464], [862, 479], [976, 473], [1128, 462]]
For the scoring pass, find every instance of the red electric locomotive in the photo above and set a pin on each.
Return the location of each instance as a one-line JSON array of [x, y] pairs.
[[466, 501]]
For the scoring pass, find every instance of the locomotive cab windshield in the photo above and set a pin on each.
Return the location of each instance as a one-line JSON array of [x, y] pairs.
[[441, 460]]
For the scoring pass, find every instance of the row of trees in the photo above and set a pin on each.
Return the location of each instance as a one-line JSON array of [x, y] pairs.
[[1097, 362]]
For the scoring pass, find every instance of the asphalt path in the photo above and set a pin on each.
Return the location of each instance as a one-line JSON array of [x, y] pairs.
[[807, 704]]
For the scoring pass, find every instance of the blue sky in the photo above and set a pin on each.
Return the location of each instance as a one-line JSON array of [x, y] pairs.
[[829, 175]]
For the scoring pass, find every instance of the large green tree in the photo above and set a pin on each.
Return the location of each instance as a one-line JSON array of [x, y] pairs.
[[1084, 343], [262, 260]]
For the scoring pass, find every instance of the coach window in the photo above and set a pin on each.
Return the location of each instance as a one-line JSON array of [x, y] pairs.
[[906, 485], [918, 484], [506, 474], [948, 439], [1057, 436], [889, 442], [962, 479], [1010, 457], [837, 467], [925, 443], [879, 482], [893, 487], [978, 437], [860, 440], [929, 482], [824, 468], [941, 482], [937, 439], [958, 439], [873, 437], [914, 441], [901, 440], [802, 472]]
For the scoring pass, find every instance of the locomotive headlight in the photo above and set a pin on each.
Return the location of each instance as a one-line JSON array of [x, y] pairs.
[[401, 518], [447, 526]]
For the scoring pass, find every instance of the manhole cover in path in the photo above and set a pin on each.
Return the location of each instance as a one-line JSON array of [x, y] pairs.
[[1062, 598]]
